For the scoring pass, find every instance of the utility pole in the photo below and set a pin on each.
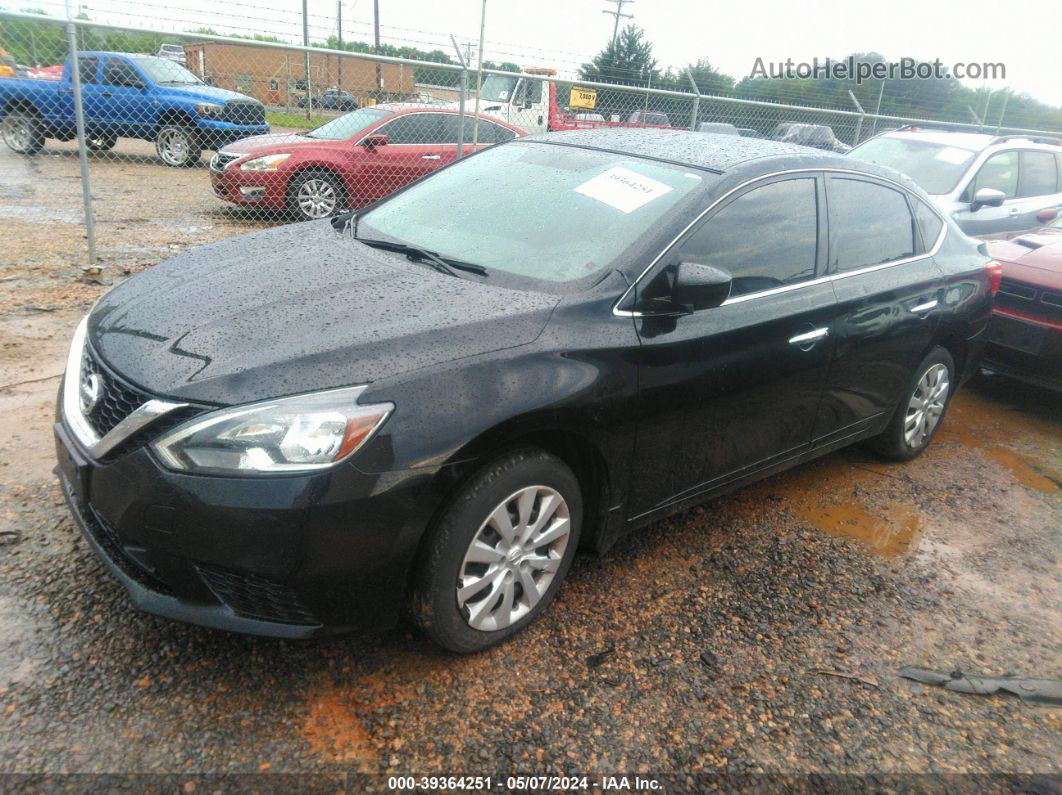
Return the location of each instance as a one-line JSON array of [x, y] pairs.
[[376, 42], [306, 58], [479, 73], [617, 14], [339, 41]]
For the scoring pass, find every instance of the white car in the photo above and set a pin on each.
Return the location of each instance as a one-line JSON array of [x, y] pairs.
[[173, 52], [992, 185]]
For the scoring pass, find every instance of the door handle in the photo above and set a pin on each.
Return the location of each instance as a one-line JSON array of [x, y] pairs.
[[924, 307], [430, 157], [809, 337], [1014, 211], [106, 94]]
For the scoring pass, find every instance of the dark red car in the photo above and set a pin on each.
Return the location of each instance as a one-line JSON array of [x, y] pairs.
[[1025, 335], [349, 162]]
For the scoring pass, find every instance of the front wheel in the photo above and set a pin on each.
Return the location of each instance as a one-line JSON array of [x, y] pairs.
[[316, 194], [177, 146], [22, 132], [920, 413], [500, 551]]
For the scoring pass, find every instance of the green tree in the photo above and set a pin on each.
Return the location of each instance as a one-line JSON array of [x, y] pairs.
[[627, 60]]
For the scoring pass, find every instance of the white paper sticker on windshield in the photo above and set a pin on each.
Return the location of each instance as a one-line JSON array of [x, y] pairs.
[[623, 189], [952, 154]]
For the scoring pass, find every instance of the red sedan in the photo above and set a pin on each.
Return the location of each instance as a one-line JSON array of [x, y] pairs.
[[1025, 336], [349, 162]]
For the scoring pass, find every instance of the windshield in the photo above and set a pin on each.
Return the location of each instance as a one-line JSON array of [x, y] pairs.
[[542, 212], [937, 168], [348, 125], [164, 71], [498, 89]]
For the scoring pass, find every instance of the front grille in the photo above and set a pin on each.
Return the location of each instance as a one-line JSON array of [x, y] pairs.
[[1052, 299], [117, 399], [242, 112], [253, 596], [222, 159], [106, 536], [1030, 300], [1017, 289]]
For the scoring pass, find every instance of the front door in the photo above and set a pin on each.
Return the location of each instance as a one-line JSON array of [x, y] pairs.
[[126, 105], [414, 149], [1030, 181], [732, 390]]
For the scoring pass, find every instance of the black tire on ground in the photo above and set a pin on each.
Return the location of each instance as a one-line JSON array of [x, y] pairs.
[[101, 143], [433, 600], [22, 131], [893, 442], [316, 193], [177, 146]]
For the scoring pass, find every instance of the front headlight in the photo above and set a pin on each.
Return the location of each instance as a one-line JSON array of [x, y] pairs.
[[294, 434], [267, 163], [210, 110]]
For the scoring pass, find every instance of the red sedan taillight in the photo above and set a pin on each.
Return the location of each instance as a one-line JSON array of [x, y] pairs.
[[995, 276]]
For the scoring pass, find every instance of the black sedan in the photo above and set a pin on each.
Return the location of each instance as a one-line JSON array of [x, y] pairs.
[[433, 403]]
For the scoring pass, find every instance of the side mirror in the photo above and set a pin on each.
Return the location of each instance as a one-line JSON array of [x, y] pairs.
[[987, 197], [699, 286], [373, 141], [1047, 215]]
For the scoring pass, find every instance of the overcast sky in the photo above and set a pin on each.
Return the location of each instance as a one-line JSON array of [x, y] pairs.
[[563, 33]]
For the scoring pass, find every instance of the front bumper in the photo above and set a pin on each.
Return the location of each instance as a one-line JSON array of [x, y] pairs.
[[250, 188], [1024, 348], [289, 557]]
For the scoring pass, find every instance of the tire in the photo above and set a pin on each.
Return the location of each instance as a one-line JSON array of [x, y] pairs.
[[23, 132], [915, 422], [177, 146], [101, 143], [469, 605], [316, 194]]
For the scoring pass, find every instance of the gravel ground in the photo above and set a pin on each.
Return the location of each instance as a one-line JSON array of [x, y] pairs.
[[761, 633]]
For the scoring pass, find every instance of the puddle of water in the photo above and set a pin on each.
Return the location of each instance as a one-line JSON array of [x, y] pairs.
[[1034, 477], [892, 533]]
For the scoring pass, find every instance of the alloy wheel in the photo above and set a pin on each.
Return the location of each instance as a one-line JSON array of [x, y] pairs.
[[513, 558], [926, 405], [17, 131], [173, 147], [316, 198]]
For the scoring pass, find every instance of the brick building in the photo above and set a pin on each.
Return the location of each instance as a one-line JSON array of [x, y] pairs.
[[276, 76]]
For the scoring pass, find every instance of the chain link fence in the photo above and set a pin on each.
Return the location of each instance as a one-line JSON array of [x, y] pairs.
[[148, 141]]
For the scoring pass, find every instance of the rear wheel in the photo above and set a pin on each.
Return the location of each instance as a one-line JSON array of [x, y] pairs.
[[920, 413], [177, 146], [316, 194], [23, 132], [499, 552]]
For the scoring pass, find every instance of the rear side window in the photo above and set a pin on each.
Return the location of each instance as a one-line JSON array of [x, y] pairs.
[[929, 224], [766, 238], [1038, 176], [999, 172], [869, 224], [87, 67]]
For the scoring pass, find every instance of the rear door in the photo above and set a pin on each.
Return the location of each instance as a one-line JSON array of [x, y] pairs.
[[732, 390], [89, 68], [889, 300]]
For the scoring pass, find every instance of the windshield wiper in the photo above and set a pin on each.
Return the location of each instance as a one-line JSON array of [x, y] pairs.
[[442, 264]]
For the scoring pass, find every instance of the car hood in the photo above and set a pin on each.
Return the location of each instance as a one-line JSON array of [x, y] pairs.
[[209, 93], [296, 309], [1034, 257], [273, 142]]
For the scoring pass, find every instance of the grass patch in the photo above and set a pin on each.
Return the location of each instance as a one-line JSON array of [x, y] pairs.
[[297, 120]]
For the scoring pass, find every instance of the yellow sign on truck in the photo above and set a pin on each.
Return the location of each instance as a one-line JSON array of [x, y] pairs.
[[585, 98]]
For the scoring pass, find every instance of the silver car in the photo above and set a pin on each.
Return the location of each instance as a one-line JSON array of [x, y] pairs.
[[991, 185]]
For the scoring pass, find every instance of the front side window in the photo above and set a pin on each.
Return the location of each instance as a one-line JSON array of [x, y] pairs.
[[1038, 176], [417, 128], [117, 72], [550, 216], [765, 238], [870, 224], [1000, 172]]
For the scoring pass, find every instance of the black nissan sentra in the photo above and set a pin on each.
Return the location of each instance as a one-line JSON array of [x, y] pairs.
[[431, 404]]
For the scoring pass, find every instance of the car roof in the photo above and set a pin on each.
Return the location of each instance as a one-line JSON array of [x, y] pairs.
[[711, 151], [973, 141]]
